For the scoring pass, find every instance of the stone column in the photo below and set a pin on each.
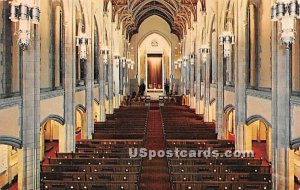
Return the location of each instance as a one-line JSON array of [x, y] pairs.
[[183, 73], [29, 157], [103, 61], [240, 85], [282, 156], [172, 74], [126, 87], [116, 71], [89, 94], [67, 133], [220, 96], [207, 87], [198, 83], [187, 74], [122, 66], [110, 86], [192, 80]]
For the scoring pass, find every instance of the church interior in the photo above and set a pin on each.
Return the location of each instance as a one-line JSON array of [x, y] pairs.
[[83, 82]]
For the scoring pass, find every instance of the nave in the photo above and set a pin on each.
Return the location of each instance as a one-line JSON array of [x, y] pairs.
[[105, 164], [78, 71]]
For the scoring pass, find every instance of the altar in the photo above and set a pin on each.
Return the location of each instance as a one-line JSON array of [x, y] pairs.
[[155, 75]]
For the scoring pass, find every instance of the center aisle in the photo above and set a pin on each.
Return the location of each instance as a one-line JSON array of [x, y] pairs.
[[155, 175]]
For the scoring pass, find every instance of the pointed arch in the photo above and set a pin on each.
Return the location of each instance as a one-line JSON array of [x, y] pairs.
[[81, 108], [56, 118], [254, 118], [11, 141], [229, 108]]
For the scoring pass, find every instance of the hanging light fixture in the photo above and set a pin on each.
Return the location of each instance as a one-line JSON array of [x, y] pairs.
[[117, 60], [82, 41], [24, 13], [105, 52], [176, 65], [185, 60], [227, 39], [124, 62], [192, 59], [286, 11], [179, 63], [204, 51], [130, 64]]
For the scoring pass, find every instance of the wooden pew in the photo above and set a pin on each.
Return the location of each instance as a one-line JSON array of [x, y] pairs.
[[113, 185]]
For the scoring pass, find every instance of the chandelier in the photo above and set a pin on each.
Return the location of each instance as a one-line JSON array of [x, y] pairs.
[[204, 51], [286, 11], [227, 39], [82, 41], [24, 13]]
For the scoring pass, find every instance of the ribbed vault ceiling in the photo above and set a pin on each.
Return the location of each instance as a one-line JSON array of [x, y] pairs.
[[179, 14]]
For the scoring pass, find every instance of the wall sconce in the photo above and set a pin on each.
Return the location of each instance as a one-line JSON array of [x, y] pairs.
[[227, 39], [286, 11], [204, 51], [24, 14], [82, 41]]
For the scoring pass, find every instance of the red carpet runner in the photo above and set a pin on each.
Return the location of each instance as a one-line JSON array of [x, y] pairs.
[[155, 174]]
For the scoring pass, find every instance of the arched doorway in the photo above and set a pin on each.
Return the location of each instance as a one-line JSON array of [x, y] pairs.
[[229, 122], [80, 122], [297, 168], [295, 162], [50, 136], [259, 137], [9, 162]]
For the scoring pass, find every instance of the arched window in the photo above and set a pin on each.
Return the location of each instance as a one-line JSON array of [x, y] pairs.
[[229, 62], [80, 64], [214, 50], [96, 54], [10, 55], [57, 49], [296, 62], [252, 35]]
